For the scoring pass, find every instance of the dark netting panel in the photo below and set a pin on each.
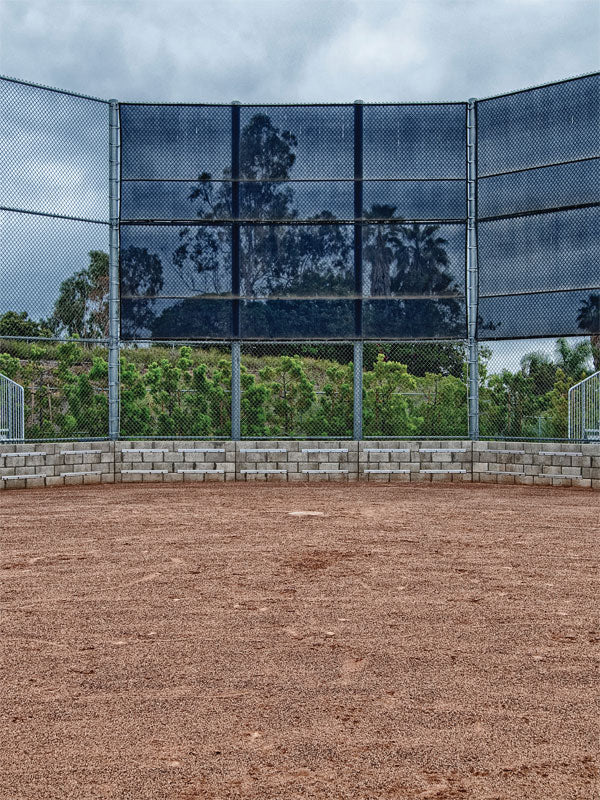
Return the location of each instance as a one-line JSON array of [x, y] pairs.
[[296, 142], [415, 318], [175, 142], [542, 314], [306, 200], [414, 260], [415, 141], [296, 260], [168, 318], [539, 189], [56, 271], [212, 200], [297, 319], [53, 152], [558, 250], [422, 200], [539, 126], [175, 200], [175, 261], [296, 165]]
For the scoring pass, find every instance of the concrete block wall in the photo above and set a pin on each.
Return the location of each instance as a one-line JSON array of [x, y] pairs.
[[389, 460], [422, 462], [537, 463], [174, 462], [55, 464]]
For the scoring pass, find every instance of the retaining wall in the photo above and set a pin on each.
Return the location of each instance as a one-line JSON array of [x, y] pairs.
[[528, 463]]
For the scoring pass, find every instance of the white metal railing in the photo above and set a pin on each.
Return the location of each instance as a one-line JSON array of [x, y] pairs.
[[584, 409], [12, 410]]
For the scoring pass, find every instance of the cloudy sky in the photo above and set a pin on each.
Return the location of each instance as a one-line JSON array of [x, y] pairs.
[[285, 50]]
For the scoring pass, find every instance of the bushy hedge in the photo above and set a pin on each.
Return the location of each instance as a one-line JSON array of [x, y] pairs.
[[169, 392]]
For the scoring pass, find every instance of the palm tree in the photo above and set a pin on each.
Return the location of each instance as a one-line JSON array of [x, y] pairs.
[[588, 319], [573, 360]]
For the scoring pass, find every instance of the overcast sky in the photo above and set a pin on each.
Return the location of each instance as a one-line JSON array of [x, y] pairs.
[[286, 50]]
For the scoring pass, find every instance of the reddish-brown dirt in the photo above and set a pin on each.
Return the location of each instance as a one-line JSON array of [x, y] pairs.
[[199, 641]]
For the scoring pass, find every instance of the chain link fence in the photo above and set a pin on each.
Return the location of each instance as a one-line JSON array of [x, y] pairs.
[[354, 228]]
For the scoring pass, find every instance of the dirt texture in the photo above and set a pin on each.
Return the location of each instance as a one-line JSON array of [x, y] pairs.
[[201, 641]]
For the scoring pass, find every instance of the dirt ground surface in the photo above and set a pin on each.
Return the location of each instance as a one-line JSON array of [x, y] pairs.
[[202, 641]]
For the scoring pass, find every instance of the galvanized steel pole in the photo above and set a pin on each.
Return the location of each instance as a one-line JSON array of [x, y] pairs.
[[113, 273], [236, 391], [472, 272], [357, 430], [236, 348]]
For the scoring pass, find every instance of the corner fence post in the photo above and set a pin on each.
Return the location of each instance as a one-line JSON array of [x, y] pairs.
[[236, 391], [472, 272], [113, 273], [357, 431]]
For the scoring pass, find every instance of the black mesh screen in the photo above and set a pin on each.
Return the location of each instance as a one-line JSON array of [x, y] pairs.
[[540, 252], [540, 189], [415, 141], [288, 182], [538, 151], [542, 314], [175, 142], [296, 260], [175, 261], [297, 142], [539, 126]]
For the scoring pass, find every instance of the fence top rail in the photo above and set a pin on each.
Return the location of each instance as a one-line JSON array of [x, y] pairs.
[[35, 85], [53, 89]]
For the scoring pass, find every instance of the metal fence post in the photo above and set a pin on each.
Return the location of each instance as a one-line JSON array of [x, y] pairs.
[[113, 273], [472, 272], [358, 268], [358, 390], [236, 391]]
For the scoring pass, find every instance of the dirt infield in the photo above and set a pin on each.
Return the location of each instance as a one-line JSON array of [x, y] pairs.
[[186, 642]]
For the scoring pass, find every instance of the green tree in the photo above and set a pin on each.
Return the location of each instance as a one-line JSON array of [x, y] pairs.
[[15, 324], [387, 407], [291, 395], [81, 308], [588, 320]]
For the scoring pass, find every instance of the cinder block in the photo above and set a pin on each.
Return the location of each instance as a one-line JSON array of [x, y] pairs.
[[18, 484], [55, 480], [131, 477], [524, 480], [581, 483], [561, 481], [550, 470], [73, 480]]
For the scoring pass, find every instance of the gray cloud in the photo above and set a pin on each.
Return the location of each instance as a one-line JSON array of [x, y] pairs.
[[280, 50]]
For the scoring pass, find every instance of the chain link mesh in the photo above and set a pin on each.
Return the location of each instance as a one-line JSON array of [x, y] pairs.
[[313, 227], [175, 391], [524, 385], [54, 258]]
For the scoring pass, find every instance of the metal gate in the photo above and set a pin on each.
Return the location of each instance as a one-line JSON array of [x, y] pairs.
[[584, 409], [12, 410]]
